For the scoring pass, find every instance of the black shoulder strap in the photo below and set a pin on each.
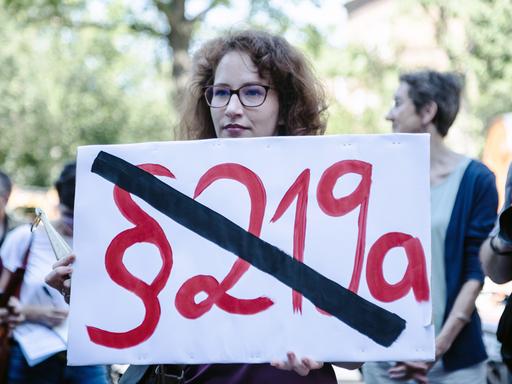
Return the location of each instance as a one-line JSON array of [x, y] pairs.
[[154, 374], [27, 251]]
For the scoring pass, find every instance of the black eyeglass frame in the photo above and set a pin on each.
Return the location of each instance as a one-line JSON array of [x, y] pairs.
[[237, 93]]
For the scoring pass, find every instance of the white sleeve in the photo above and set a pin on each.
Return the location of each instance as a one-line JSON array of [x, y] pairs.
[[14, 247]]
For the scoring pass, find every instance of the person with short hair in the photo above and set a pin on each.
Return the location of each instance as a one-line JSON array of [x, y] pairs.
[[6, 222], [463, 210]]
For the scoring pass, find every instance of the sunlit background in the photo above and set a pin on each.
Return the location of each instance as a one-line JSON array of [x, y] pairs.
[[77, 72]]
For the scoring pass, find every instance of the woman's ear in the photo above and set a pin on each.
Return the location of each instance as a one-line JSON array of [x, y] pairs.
[[428, 112]]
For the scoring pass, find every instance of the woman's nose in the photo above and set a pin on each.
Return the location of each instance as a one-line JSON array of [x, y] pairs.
[[390, 116], [234, 106]]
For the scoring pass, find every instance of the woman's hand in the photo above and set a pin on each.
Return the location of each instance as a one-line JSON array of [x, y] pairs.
[[46, 315], [60, 277], [410, 370], [12, 314], [302, 366], [442, 346]]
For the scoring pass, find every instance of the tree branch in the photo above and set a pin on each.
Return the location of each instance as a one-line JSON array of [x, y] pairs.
[[67, 22], [145, 28], [214, 3]]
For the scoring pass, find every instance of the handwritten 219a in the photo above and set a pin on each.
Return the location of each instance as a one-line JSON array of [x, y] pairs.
[[147, 230]]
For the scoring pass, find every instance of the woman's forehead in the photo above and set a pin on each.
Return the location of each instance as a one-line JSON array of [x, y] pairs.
[[402, 90], [237, 67]]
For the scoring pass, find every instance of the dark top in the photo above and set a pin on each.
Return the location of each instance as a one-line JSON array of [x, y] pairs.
[[231, 374], [254, 374], [471, 221]]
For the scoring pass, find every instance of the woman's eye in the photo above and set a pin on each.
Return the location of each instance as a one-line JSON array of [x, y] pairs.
[[254, 91], [220, 92]]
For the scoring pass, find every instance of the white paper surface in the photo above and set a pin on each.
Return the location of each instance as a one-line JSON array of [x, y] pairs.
[[38, 342], [398, 202]]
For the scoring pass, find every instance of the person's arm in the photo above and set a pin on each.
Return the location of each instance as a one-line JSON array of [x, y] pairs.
[[498, 266], [15, 313], [12, 252], [11, 314], [496, 252], [46, 315], [60, 276], [459, 316]]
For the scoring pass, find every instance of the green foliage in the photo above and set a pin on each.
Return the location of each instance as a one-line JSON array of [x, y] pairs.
[[68, 78], [264, 14], [39, 10], [490, 55], [360, 85], [482, 52], [63, 88]]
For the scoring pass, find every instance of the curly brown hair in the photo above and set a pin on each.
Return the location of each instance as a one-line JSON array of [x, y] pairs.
[[302, 106]]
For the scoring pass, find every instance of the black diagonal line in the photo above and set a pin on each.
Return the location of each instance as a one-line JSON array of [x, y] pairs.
[[380, 325]]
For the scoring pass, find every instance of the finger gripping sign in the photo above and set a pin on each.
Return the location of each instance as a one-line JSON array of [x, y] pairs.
[[221, 251]]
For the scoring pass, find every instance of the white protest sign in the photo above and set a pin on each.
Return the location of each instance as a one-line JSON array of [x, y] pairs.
[[187, 252]]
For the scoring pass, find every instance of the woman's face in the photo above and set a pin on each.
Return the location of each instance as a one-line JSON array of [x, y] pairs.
[[403, 113], [235, 70]]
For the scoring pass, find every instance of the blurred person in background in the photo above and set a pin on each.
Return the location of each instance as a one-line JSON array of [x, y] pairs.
[[496, 252], [6, 223], [41, 308], [496, 257], [463, 210]]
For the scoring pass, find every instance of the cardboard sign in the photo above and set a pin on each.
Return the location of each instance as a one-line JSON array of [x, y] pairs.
[[240, 250]]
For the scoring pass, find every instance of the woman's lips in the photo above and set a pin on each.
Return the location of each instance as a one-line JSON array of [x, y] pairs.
[[235, 130], [234, 127]]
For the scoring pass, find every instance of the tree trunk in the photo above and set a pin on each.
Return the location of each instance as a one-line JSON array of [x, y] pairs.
[[178, 41]]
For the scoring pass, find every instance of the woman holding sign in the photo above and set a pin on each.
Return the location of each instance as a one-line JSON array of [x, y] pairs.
[[463, 210], [246, 84]]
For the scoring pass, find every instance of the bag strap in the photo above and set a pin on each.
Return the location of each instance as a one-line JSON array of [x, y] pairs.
[[24, 264], [170, 373], [27, 251], [154, 374]]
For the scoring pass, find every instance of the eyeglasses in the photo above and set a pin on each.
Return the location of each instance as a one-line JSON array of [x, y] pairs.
[[250, 95]]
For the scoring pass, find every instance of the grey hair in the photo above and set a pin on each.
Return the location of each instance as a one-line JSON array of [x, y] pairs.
[[444, 89]]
